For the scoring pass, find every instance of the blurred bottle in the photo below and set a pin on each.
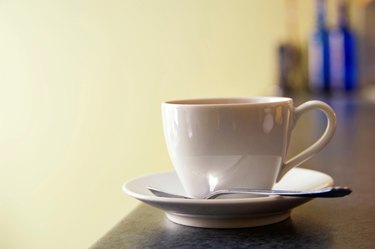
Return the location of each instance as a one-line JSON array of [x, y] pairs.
[[368, 64], [291, 73], [318, 53], [343, 74]]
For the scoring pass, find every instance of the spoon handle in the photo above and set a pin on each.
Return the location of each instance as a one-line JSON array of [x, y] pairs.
[[330, 192]]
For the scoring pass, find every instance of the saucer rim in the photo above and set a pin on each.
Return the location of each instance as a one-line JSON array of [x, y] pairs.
[[262, 199]]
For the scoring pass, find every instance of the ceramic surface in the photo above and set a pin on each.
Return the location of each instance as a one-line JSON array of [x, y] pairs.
[[226, 213], [237, 142]]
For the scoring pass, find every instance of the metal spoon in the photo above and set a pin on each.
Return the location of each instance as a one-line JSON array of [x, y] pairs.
[[329, 192]]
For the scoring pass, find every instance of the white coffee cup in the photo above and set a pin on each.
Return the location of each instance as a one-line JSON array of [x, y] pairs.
[[236, 142]]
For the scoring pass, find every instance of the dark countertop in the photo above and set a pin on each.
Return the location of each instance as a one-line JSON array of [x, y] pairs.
[[322, 223]]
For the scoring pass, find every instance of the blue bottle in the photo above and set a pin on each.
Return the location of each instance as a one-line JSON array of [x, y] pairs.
[[318, 52], [343, 53]]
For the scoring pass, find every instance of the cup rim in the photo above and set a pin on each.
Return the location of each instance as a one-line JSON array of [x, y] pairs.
[[228, 101]]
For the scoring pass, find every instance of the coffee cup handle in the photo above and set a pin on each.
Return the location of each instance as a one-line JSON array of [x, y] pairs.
[[320, 143]]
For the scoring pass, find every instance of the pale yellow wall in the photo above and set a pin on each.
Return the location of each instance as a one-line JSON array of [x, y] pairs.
[[80, 87]]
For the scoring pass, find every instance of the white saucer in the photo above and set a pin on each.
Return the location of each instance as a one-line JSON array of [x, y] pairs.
[[226, 213]]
